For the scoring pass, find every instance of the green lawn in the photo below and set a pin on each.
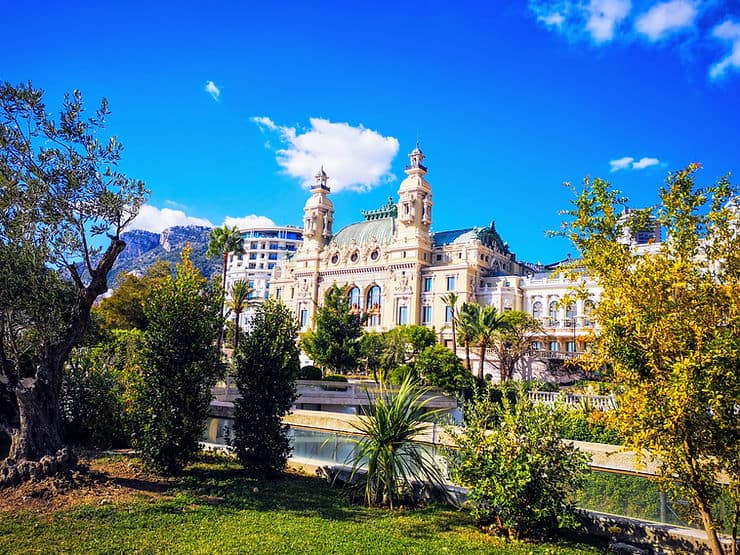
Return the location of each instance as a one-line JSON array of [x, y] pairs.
[[213, 509]]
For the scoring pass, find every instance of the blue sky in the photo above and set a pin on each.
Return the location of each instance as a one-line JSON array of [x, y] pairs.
[[226, 109]]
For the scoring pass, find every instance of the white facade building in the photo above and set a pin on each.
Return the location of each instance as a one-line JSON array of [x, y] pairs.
[[264, 247]]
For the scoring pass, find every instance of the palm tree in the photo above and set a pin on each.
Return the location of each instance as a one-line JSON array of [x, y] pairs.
[[240, 295], [466, 330], [390, 458], [485, 322], [450, 300], [222, 241]]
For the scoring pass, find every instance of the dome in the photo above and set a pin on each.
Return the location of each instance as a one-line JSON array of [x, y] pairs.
[[364, 232]]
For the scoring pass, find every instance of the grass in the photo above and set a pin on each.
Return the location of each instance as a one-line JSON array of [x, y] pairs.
[[214, 509]]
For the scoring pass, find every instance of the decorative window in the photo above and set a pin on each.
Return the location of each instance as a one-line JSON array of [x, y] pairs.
[[537, 310], [335, 258], [426, 315], [373, 306], [536, 345], [570, 314], [450, 283], [554, 346], [427, 284], [588, 313], [375, 254], [403, 315], [553, 311], [354, 298], [354, 257], [570, 346]]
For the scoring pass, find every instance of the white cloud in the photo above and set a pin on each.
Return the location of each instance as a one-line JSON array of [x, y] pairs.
[[727, 31], [604, 16], [213, 90], [157, 220], [628, 162], [356, 158], [621, 163], [248, 221], [645, 162], [665, 18], [555, 19], [596, 20]]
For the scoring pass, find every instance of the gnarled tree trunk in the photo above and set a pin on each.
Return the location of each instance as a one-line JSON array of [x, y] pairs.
[[30, 410]]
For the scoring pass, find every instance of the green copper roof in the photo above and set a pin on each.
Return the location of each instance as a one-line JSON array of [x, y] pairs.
[[388, 210], [363, 232], [487, 235]]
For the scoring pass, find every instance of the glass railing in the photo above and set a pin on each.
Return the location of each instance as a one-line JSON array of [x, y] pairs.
[[619, 494]]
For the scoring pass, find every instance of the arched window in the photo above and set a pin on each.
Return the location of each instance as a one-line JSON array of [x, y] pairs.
[[588, 311], [373, 306], [354, 298], [570, 314], [537, 310], [553, 313]]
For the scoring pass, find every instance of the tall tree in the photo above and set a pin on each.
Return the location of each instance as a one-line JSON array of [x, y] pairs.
[[124, 309], [670, 328], [180, 365], [450, 301], [484, 322], [466, 331], [240, 297], [513, 340], [63, 206], [222, 242], [266, 368], [335, 343]]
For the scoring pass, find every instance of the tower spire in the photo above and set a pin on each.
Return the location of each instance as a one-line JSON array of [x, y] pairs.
[[321, 179], [416, 157]]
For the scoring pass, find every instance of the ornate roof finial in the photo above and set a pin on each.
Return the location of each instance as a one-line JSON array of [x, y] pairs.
[[416, 157], [321, 179]]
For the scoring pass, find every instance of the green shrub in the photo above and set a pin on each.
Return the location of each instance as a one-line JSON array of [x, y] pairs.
[[400, 373], [592, 426], [96, 391], [439, 367], [266, 368], [522, 478], [334, 378], [309, 373], [180, 364]]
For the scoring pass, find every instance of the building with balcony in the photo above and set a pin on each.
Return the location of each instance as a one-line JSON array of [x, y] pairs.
[[398, 271], [264, 248]]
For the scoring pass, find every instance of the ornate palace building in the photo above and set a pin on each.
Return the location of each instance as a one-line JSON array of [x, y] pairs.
[[398, 271]]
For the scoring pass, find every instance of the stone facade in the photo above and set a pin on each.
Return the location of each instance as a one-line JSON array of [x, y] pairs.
[[398, 271]]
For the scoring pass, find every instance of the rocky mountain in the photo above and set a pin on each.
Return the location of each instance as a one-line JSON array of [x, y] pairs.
[[144, 248]]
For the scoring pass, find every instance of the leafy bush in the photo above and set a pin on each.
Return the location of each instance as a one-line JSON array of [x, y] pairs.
[[592, 425], [310, 373], [391, 460], [266, 368], [334, 378], [96, 391], [439, 367], [179, 366], [522, 478], [401, 373]]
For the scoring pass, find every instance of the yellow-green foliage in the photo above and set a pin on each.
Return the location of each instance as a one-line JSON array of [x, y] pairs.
[[670, 328]]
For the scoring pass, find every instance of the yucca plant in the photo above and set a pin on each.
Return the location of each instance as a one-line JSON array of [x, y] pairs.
[[391, 460]]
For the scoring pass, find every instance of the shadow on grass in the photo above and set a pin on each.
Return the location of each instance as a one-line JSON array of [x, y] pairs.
[[217, 481]]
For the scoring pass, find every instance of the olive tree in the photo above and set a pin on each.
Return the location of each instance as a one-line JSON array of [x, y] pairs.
[[63, 207]]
